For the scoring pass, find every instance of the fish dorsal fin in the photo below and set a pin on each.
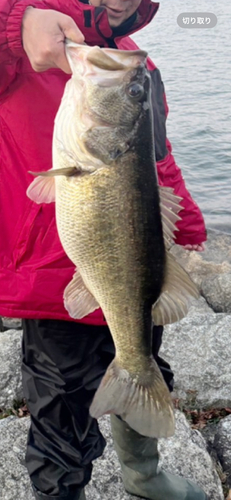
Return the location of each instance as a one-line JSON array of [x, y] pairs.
[[169, 207], [78, 301], [42, 190], [177, 290]]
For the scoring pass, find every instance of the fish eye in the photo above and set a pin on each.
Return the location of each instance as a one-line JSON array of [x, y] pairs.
[[135, 91]]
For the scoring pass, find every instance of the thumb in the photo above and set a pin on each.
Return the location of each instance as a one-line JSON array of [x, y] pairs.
[[71, 31]]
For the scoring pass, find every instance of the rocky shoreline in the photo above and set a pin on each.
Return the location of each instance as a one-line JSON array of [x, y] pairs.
[[199, 351]]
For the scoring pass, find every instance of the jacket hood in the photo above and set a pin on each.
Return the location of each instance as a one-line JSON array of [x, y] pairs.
[[98, 16]]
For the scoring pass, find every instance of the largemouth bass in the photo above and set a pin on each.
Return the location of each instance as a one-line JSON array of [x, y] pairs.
[[108, 212]]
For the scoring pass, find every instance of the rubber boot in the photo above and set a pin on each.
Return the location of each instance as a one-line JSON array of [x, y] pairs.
[[78, 495], [138, 456]]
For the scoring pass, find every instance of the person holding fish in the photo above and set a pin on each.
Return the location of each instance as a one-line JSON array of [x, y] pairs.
[[91, 274]]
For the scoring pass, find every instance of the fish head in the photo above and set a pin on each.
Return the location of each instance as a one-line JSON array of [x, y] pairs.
[[115, 94]]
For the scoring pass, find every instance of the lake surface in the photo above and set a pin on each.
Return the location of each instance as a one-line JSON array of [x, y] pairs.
[[195, 65]]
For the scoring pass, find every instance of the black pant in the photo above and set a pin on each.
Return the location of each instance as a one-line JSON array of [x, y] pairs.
[[63, 363]]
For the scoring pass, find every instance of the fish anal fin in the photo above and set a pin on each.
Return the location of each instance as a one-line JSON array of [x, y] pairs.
[[42, 190], [176, 294], [145, 405], [78, 301]]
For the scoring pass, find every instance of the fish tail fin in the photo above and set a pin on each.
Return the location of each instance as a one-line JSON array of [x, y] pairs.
[[144, 402]]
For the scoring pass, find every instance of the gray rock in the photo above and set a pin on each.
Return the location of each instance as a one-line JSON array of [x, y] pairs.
[[184, 454], [199, 306], [198, 349], [208, 432], [14, 481], [222, 444], [10, 369], [217, 291], [216, 259], [218, 247], [11, 323]]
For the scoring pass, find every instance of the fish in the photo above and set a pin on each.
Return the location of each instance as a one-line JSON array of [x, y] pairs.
[[116, 225]]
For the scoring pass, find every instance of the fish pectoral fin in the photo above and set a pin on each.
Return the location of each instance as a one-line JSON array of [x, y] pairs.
[[78, 301], [53, 172], [177, 291], [169, 207], [145, 404], [42, 190]]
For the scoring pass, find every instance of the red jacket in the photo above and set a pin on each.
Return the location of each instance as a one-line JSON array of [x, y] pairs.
[[34, 269]]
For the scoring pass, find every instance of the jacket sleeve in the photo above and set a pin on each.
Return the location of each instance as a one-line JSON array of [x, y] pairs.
[[191, 227], [11, 48]]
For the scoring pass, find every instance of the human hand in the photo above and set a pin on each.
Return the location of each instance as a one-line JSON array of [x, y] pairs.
[[43, 36], [198, 248]]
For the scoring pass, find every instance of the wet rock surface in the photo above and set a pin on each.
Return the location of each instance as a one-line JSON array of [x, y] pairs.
[[222, 445]]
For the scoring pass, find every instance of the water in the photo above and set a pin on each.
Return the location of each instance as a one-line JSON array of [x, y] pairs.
[[196, 69]]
